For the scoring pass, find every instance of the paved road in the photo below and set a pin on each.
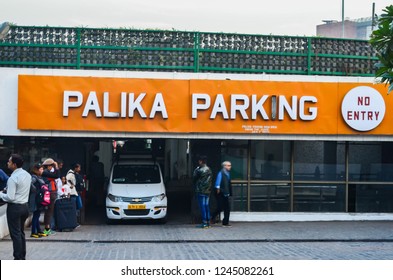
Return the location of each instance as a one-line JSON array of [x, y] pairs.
[[204, 251], [270, 241]]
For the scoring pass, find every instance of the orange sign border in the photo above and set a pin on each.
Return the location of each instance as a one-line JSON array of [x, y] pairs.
[[41, 98]]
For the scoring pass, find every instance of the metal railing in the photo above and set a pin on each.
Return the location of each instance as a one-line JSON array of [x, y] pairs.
[[157, 50]]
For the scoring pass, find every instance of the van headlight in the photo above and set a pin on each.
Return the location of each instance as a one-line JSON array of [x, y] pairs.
[[115, 198], [158, 198]]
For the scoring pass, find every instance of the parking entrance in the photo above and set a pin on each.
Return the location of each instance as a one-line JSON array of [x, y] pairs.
[[177, 160]]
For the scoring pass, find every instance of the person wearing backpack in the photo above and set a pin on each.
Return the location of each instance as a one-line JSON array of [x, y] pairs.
[[75, 180], [40, 200], [50, 174]]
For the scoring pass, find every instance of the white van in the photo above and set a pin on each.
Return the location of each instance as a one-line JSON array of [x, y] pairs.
[[136, 191]]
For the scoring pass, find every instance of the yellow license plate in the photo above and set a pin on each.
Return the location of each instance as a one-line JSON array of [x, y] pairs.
[[136, 206]]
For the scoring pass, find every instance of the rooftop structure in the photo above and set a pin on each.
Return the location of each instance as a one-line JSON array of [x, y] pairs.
[[360, 28], [183, 51]]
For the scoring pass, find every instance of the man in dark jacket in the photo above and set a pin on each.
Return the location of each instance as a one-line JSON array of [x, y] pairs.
[[224, 191], [202, 179]]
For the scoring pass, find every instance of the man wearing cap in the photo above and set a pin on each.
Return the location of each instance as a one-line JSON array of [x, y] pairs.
[[17, 195], [50, 174]]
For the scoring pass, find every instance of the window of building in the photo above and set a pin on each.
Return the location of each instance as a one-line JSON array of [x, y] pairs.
[[319, 161], [270, 160], [270, 197], [371, 198], [236, 151], [319, 197], [264, 182], [371, 162]]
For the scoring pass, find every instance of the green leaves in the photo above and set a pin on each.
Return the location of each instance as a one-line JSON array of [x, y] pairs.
[[382, 41]]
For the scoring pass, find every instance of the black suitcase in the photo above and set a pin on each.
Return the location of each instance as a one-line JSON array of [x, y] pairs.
[[65, 214]]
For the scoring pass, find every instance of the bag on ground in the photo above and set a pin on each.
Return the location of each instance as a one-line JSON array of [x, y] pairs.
[[65, 214]]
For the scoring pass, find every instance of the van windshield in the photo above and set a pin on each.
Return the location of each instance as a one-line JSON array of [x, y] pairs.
[[136, 174]]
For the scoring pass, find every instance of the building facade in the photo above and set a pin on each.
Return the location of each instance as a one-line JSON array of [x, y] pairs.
[[314, 137], [297, 143], [359, 29]]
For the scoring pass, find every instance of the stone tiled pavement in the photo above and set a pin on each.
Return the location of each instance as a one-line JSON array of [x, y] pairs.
[[269, 240], [262, 231]]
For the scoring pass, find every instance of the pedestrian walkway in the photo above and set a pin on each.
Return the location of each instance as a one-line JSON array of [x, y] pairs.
[[144, 232], [243, 241]]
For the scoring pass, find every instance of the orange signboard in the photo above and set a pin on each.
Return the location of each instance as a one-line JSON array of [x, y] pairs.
[[201, 106]]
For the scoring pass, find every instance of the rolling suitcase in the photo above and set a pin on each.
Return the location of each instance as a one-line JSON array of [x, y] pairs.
[[65, 214]]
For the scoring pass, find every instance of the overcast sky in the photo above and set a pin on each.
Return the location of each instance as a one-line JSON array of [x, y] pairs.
[[281, 17]]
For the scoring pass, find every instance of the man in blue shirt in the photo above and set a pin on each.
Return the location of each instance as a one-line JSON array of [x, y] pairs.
[[3, 179], [224, 191]]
